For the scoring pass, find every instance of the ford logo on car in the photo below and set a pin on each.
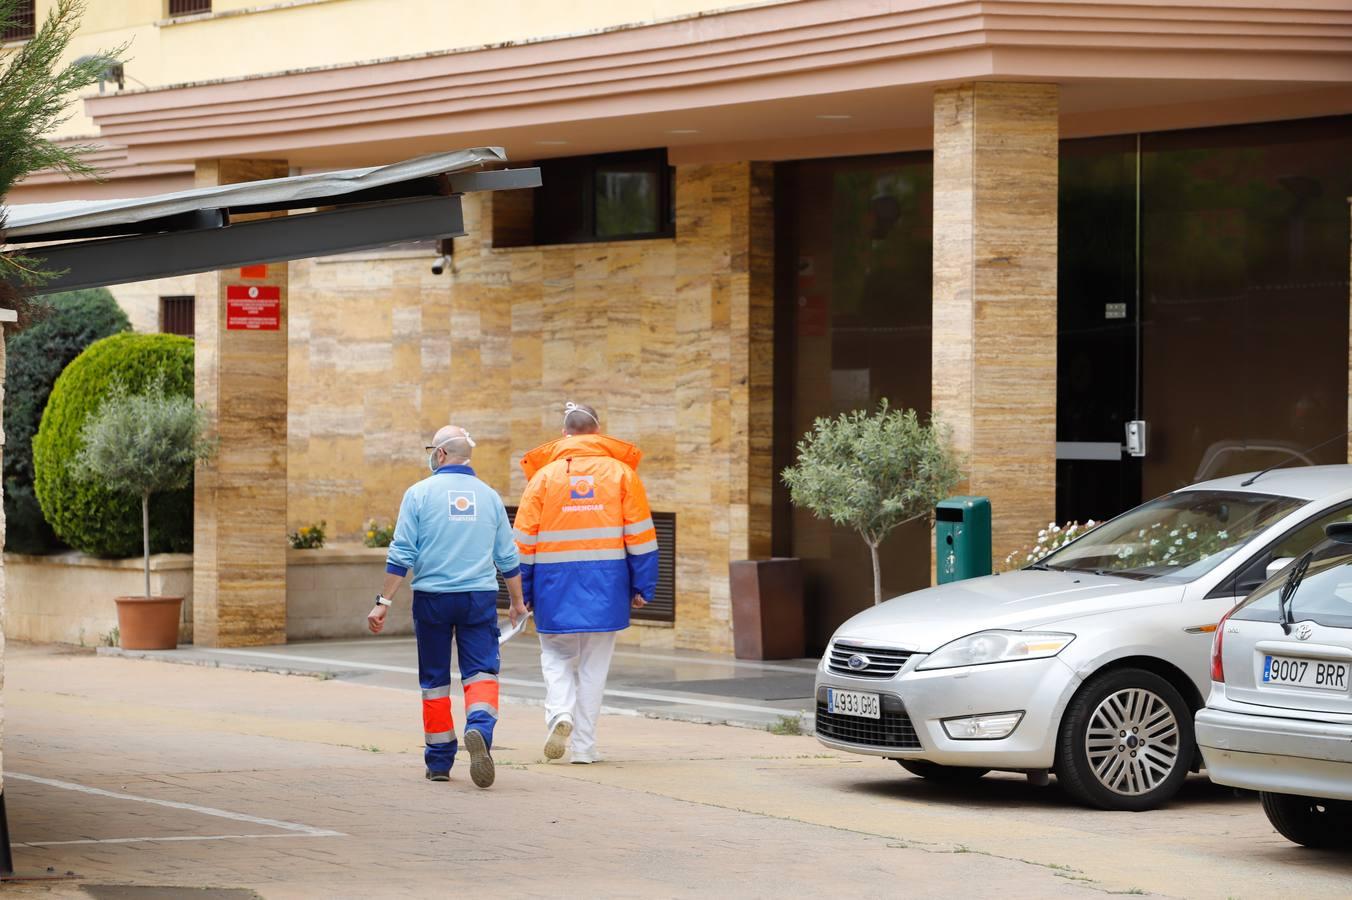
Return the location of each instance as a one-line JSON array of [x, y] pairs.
[[857, 662]]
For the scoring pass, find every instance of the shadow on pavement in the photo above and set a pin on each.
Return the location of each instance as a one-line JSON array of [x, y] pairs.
[[1013, 791]]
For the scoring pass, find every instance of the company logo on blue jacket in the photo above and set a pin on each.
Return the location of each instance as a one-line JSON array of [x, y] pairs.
[[583, 487], [462, 505]]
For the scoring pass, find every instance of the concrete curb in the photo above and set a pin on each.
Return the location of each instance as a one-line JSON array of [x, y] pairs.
[[806, 719]]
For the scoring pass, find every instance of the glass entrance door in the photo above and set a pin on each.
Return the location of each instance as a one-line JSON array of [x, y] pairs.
[[1203, 289], [1098, 346]]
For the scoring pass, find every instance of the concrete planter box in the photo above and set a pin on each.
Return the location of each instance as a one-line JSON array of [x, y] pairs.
[[67, 598], [329, 591]]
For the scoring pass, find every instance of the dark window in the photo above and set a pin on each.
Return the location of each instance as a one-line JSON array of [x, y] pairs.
[[616, 197], [852, 326], [663, 606], [189, 7], [22, 22], [176, 315]]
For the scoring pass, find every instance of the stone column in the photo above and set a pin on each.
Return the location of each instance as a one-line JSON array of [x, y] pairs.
[[239, 522], [994, 344]]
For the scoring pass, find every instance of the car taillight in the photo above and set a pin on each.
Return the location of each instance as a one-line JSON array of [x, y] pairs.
[[1218, 650]]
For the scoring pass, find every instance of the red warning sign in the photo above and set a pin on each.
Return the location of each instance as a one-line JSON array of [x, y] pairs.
[[253, 307]]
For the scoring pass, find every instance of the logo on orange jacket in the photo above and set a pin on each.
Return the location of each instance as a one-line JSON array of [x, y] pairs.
[[582, 487]]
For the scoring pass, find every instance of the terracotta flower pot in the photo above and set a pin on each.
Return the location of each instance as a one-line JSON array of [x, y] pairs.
[[148, 623]]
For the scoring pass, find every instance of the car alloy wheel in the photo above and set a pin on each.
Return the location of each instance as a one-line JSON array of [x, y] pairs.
[[1132, 742], [1125, 742]]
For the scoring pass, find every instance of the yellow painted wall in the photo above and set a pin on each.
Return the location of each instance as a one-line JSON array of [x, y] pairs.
[[249, 37]]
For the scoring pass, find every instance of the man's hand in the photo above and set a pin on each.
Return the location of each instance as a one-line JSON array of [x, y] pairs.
[[516, 612], [638, 602], [375, 619]]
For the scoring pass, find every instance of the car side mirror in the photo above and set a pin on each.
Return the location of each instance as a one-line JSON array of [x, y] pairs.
[[1278, 564], [1340, 532]]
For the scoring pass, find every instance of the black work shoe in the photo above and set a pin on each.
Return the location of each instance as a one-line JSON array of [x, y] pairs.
[[481, 770], [433, 775]]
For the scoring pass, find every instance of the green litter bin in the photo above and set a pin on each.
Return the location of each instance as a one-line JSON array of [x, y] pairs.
[[962, 538]]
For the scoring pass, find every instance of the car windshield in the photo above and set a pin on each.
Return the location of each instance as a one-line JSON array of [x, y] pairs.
[[1324, 594], [1177, 538]]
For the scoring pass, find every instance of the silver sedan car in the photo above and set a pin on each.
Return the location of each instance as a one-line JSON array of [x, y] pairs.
[[1279, 719], [1089, 664]]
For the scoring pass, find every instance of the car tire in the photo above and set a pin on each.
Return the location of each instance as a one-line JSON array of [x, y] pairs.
[[935, 772], [1146, 762], [1309, 821]]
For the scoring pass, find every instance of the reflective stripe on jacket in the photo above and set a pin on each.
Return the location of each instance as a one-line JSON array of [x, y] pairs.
[[585, 535]]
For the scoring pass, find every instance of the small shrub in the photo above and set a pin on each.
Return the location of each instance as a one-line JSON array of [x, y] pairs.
[[871, 472], [307, 537], [377, 535], [141, 445], [34, 359], [85, 514]]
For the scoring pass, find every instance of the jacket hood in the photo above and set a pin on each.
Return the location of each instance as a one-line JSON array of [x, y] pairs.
[[580, 445], [927, 619]]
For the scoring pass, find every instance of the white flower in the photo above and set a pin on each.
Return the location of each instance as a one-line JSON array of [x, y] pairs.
[[1192, 535], [1141, 533], [1154, 541], [1178, 542], [1174, 533], [1042, 533], [1222, 534]]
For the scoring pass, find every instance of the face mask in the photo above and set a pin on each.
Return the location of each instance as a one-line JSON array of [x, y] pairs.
[[570, 407], [432, 457]]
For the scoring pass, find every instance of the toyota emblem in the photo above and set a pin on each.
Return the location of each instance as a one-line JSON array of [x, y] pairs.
[[857, 662], [1303, 632]]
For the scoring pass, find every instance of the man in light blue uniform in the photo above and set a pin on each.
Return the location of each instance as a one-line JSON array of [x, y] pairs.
[[454, 535]]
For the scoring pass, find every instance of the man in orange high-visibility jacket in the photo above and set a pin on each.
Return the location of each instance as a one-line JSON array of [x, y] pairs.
[[588, 554]]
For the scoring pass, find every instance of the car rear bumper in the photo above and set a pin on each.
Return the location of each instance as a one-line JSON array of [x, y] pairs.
[[1282, 756]]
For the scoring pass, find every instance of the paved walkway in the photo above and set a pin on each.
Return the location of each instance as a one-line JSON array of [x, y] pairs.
[[215, 783], [669, 684]]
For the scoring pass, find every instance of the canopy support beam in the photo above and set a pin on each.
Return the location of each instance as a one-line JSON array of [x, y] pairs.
[[343, 230]]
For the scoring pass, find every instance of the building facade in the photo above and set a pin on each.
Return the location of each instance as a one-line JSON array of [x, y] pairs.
[[1038, 221]]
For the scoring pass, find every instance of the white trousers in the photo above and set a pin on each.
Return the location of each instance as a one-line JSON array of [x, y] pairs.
[[575, 668]]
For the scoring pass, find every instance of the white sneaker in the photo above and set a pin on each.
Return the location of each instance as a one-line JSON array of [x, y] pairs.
[[557, 742], [586, 759]]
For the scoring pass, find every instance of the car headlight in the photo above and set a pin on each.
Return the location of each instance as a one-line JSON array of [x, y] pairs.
[[996, 646]]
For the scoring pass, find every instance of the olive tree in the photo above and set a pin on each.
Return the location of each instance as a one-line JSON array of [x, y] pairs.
[[142, 444], [872, 472]]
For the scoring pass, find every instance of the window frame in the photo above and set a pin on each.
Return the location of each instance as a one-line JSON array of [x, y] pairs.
[[581, 173], [171, 13], [24, 18]]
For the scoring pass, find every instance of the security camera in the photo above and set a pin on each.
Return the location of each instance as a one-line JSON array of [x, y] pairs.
[[445, 247]]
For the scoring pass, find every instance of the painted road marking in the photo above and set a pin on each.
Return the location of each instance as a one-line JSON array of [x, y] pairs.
[[307, 830], [512, 682], [178, 838]]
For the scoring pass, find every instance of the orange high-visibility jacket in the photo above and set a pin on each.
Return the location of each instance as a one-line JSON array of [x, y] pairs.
[[585, 534]]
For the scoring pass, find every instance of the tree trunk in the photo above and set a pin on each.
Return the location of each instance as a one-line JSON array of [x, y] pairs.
[[877, 574], [145, 538]]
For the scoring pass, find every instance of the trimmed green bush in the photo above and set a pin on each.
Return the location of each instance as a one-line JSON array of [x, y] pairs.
[[91, 518], [34, 358]]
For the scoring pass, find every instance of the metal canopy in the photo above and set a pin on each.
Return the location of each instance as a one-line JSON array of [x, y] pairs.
[[117, 241]]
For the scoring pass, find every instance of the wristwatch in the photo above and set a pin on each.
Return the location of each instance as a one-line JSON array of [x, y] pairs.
[[382, 600]]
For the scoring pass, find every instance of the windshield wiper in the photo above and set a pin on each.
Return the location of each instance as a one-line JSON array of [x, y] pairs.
[[1287, 596]]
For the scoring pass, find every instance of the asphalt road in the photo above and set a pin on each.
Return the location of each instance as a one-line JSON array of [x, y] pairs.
[[135, 774]]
